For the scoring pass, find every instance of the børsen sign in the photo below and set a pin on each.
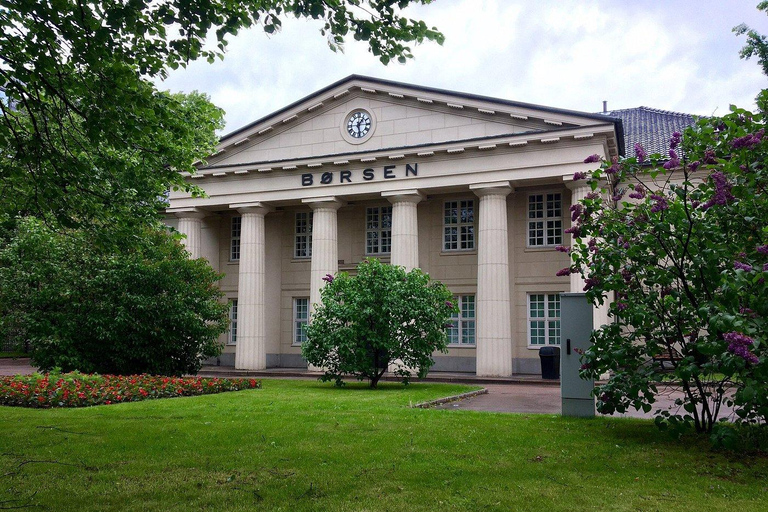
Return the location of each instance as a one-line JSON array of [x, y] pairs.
[[388, 172]]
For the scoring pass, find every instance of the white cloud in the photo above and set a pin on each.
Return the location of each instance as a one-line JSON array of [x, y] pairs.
[[678, 55]]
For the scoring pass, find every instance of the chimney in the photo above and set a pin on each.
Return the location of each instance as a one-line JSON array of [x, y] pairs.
[[605, 107]]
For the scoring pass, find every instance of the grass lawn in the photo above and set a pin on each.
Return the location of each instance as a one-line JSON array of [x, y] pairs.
[[12, 355], [303, 445]]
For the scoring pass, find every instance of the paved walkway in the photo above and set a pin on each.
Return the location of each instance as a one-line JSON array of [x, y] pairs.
[[16, 366]]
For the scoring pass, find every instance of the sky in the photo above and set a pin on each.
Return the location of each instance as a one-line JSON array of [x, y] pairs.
[[678, 55]]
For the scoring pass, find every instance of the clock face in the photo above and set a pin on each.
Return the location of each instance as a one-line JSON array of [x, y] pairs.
[[359, 124]]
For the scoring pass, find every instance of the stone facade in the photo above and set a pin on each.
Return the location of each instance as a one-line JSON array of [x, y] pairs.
[[496, 173]]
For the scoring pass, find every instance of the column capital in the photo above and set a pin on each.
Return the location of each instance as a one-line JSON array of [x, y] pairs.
[[403, 196], [327, 202], [189, 213], [572, 184], [495, 188], [258, 208]]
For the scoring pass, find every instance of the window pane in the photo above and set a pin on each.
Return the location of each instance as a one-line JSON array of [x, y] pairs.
[[554, 332], [233, 322]]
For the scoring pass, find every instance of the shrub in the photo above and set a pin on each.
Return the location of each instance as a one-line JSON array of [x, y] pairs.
[[382, 317], [139, 305], [680, 241]]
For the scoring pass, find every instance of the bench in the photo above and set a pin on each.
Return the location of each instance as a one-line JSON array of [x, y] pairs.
[[670, 355]]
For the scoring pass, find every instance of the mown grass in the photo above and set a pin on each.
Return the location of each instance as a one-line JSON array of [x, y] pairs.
[[306, 446], [13, 355]]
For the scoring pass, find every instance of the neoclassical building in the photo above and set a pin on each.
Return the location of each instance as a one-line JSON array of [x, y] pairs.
[[473, 190]]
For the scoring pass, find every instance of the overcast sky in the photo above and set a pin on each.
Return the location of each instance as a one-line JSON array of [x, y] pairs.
[[677, 55]]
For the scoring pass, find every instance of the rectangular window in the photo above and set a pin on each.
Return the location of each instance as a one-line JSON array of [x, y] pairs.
[[300, 319], [302, 247], [232, 322], [545, 220], [234, 244], [462, 330], [378, 230], [543, 319], [459, 225]]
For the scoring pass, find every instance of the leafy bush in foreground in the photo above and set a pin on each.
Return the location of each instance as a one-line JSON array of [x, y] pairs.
[[381, 318], [82, 390]]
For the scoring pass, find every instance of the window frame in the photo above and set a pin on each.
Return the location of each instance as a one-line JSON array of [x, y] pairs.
[[232, 334], [545, 219], [546, 319], [380, 230], [460, 320], [302, 236], [459, 225], [296, 321], [235, 225]]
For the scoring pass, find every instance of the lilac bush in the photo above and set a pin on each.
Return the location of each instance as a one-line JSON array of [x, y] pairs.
[[678, 244]]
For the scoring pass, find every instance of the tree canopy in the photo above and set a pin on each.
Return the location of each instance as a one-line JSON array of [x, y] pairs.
[[86, 136]]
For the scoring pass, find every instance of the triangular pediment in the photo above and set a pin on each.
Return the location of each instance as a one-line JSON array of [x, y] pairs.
[[402, 116]]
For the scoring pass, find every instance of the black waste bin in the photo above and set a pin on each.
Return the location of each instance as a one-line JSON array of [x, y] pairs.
[[550, 362]]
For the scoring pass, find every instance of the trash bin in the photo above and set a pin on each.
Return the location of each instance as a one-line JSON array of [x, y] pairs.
[[550, 362]]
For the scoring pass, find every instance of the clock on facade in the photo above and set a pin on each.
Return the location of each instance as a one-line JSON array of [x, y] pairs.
[[359, 124]]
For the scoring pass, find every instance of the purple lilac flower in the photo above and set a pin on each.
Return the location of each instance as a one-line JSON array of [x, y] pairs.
[[661, 203], [576, 211], [742, 266], [592, 159], [694, 165], [748, 141], [674, 160], [579, 176], [618, 195], [709, 157], [626, 275], [747, 311], [449, 303], [675, 140], [328, 278], [738, 344], [590, 283], [640, 152], [639, 192], [564, 272], [575, 231], [666, 291], [765, 267], [763, 249], [562, 248], [722, 191], [621, 306], [592, 195]]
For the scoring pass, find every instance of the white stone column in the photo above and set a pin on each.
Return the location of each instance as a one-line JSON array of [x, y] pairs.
[[190, 224], [405, 228], [250, 351], [493, 328], [579, 190], [325, 250]]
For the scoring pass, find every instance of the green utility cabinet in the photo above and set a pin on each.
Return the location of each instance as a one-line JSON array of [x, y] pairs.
[[576, 329]]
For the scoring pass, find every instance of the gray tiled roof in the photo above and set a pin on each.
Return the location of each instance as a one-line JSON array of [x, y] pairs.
[[650, 127]]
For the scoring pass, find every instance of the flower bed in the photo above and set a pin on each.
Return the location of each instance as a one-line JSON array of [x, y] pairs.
[[82, 390]]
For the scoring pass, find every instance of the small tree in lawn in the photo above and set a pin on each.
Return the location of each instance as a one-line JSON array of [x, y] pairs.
[[682, 245], [379, 318]]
